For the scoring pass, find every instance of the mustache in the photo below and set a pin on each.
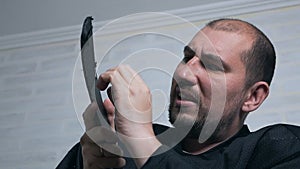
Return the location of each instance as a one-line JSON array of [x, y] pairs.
[[187, 94]]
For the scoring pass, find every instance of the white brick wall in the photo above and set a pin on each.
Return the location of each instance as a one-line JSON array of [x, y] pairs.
[[38, 123], [37, 120]]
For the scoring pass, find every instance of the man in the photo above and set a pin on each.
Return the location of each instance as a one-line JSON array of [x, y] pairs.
[[225, 74]]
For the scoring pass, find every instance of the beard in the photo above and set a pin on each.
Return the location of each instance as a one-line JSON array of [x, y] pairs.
[[196, 119], [192, 121], [185, 119]]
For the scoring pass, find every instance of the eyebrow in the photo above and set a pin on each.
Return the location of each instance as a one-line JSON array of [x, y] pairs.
[[208, 57], [212, 58]]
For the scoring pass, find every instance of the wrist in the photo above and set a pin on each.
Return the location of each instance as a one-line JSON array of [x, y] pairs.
[[141, 149], [136, 130]]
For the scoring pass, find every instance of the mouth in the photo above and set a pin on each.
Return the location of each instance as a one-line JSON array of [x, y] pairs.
[[185, 98]]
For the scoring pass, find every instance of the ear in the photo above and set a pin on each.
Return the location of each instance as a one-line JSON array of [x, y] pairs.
[[255, 96]]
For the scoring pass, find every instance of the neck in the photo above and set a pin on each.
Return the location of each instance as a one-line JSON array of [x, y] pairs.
[[192, 146]]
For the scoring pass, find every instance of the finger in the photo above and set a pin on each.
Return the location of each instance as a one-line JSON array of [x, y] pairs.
[[132, 78], [91, 150], [105, 149], [90, 117], [118, 75], [109, 94], [135, 75], [111, 162], [126, 73], [88, 147], [105, 78], [118, 85], [110, 108], [90, 163], [101, 134], [86, 140]]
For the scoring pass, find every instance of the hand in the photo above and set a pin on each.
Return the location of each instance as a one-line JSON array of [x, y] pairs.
[[99, 144], [133, 111], [132, 101]]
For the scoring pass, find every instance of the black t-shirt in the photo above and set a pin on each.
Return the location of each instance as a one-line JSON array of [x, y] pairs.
[[276, 146]]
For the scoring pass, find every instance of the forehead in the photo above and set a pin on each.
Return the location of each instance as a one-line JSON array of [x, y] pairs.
[[227, 45]]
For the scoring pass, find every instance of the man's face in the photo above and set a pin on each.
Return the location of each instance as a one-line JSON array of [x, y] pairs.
[[210, 81]]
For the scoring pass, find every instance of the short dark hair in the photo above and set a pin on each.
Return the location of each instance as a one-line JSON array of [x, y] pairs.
[[260, 59]]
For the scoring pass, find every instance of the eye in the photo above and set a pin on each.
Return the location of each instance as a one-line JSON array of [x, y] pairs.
[[212, 67], [188, 54]]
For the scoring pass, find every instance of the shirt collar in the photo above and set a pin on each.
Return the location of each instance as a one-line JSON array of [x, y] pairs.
[[244, 131]]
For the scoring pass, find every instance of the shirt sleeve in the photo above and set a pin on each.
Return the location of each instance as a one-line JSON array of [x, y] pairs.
[[164, 158], [290, 163], [278, 148]]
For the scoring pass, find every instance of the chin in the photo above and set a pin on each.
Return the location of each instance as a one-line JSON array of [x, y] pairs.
[[182, 118]]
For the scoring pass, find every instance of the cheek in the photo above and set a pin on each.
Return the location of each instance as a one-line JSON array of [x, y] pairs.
[[225, 88], [205, 83], [213, 88], [235, 88]]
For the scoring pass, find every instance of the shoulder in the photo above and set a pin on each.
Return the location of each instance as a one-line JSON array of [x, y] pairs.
[[275, 144], [278, 134], [281, 129], [72, 159]]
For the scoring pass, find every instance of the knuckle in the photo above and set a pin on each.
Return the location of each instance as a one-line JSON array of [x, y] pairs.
[[101, 76]]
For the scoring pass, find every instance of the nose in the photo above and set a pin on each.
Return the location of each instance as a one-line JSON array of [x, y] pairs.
[[185, 73]]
